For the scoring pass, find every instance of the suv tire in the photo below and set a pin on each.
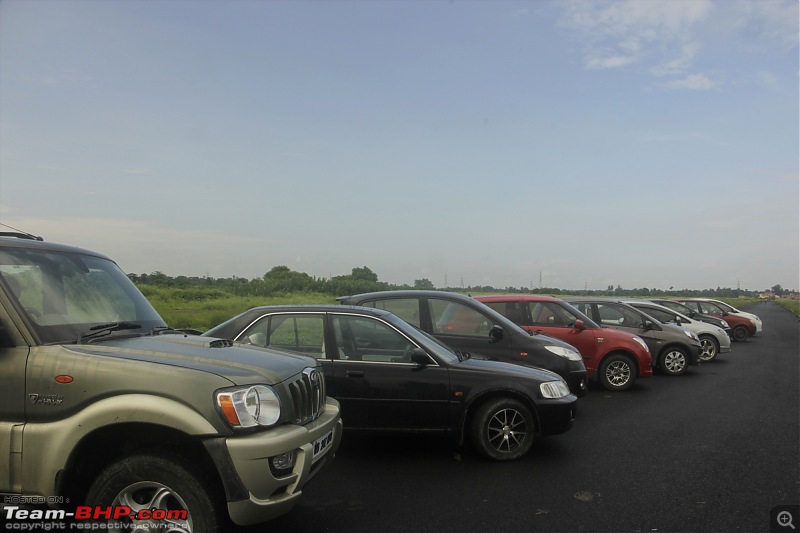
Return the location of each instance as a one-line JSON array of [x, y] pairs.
[[502, 429], [164, 481], [617, 372], [673, 361]]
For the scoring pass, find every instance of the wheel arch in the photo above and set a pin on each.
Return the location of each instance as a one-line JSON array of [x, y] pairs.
[[618, 351], [477, 401], [104, 445]]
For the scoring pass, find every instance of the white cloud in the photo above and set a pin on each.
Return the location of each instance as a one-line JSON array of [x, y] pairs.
[[621, 33], [695, 82]]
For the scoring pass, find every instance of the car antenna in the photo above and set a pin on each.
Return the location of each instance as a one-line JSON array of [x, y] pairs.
[[30, 235]]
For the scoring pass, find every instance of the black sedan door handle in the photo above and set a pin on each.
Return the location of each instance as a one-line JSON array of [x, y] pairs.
[[355, 373]]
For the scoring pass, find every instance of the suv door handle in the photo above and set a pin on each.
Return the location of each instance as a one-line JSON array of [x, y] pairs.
[[355, 373]]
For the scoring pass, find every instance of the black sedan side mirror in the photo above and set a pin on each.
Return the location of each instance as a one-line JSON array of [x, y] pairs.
[[420, 357], [496, 333]]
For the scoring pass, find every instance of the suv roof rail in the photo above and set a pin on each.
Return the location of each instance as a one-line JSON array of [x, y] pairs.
[[20, 235]]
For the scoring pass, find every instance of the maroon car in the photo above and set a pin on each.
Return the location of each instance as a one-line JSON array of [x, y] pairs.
[[741, 327], [616, 357]]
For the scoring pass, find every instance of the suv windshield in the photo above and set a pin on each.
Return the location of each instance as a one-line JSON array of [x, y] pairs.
[[65, 294]]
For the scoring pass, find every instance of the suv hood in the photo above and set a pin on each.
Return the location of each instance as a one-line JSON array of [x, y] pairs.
[[241, 364]]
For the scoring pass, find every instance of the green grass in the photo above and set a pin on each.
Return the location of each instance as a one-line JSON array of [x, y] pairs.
[[791, 305], [205, 309]]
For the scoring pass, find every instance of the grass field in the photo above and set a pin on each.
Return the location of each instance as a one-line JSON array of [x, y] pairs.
[[202, 309]]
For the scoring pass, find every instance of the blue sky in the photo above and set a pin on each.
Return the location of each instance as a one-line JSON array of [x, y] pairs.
[[641, 144]]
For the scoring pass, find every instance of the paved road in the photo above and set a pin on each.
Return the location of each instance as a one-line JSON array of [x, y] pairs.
[[714, 450]]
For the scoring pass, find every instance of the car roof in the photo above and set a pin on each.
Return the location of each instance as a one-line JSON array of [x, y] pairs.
[[405, 294], [9, 241], [516, 298], [332, 308]]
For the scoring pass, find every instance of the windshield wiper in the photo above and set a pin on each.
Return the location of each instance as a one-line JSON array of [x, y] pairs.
[[101, 330]]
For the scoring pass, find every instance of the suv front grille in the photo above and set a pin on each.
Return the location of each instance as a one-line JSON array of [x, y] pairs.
[[308, 396]]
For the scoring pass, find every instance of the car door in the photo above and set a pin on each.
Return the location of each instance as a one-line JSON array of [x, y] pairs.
[[555, 320], [465, 328], [619, 316], [13, 359], [376, 382]]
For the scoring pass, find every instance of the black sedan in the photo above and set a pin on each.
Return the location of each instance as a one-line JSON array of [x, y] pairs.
[[390, 376]]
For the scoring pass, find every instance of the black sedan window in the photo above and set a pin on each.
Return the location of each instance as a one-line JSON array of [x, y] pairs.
[[367, 339]]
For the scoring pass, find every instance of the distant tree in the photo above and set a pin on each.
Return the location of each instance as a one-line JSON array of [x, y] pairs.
[[364, 274], [777, 289], [423, 284]]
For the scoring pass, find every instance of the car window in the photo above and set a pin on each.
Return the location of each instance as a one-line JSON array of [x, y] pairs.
[[514, 311], [618, 315], [551, 314], [709, 308], [301, 333], [405, 308], [369, 339], [455, 318], [660, 315]]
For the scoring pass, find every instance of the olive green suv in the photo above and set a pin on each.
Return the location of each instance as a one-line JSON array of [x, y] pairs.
[[102, 406]]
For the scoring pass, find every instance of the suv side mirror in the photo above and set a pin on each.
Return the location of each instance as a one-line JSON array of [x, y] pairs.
[[647, 325], [579, 325], [496, 333]]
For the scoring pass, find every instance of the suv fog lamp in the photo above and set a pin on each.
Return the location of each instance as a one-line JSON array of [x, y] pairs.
[[281, 465], [554, 389]]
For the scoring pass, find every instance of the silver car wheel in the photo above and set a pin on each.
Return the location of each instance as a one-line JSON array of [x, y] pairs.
[[618, 373], [709, 349], [674, 362], [151, 496]]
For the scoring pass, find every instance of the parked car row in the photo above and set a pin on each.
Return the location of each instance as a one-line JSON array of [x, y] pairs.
[[490, 370]]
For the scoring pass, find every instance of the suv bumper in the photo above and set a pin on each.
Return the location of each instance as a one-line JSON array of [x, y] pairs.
[[254, 494]]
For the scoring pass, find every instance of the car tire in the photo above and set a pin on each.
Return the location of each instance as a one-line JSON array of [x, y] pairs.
[[674, 361], [617, 372], [709, 348], [740, 334], [160, 481], [503, 429]]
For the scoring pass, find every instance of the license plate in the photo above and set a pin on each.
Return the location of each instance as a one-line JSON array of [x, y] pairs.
[[322, 444]]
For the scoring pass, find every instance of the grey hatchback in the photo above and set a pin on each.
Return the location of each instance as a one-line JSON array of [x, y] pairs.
[[674, 349]]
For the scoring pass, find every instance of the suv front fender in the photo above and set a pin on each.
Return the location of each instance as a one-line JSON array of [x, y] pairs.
[[47, 447]]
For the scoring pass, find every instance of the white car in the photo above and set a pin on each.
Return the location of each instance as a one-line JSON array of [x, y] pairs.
[[713, 339], [730, 309]]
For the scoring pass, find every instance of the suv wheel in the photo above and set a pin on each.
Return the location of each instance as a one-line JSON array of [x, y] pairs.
[[674, 361], [710, 348], [156, 483], [617, 372], [740, 334], [502, 429]]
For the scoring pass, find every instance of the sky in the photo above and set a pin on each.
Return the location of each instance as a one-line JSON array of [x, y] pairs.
[[567, 144]]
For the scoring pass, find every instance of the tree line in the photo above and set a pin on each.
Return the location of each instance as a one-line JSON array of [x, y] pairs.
[[283, 280]]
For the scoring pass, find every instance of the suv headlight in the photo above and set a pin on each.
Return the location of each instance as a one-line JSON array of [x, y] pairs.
[[247, 407], [572, 355], [554, 389], [642, 343]]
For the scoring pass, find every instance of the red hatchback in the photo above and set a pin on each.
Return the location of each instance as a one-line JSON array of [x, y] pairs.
[[616, 357]]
